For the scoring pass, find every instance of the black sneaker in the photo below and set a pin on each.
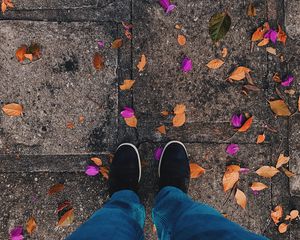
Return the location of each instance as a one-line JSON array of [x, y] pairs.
[[125, 169], [174, 167]]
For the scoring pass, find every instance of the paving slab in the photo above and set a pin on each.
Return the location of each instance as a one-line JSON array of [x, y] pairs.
[[59, 88], [292, 16]]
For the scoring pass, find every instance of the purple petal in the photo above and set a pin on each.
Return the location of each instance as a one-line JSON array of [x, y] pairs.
[[92, 170], [165, 4], [127, 112], [16, 233], [244, 170], [237, 120], [272, 35], [158, 153], [255, 192], [232, 149], [170, 8], [186, 65], [287, 82], [100, 44]]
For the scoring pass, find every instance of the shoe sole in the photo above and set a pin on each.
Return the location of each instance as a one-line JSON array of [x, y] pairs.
[[139, 159], [164, 152]]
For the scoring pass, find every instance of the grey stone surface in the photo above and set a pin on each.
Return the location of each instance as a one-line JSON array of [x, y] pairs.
[[59, 88], [56, 4], [292, 15]]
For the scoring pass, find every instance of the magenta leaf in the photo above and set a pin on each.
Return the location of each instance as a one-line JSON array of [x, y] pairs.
[[92, 170], [272, 35], [237, 120], [127, 112], [167, 6], [244, 170], [157, 153], [16, 233], [100, 44], [232, 149], [288, 81], [186, 65]]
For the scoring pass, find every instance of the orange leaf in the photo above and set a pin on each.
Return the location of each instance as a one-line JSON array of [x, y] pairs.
[[231, 176], [224, 52], [179, 109], [141, 65], [281, 37], [131, 122], [240, 198], [104, 171], [267, 171], [164, 113], [294, 214], [29, 56], [162, 129], [3, 7], [215, 64], [246, 125], [56, 188], [179, 120], [287, 172], [97, 161], [239, 73], [260, 138], [258, 34], [181, 40], [282, 228], [98, 61], [81, 119], [20, 53], [70, 125], [13, 109], [127, 84], [282, 160], [31, 225], [264, 42], [280, 108], [117, 43], [196, 170], [276, 215], [67, 216], [258, 186]]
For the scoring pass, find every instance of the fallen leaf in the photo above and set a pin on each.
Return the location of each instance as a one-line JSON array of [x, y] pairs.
[[196, 170], [258, 186], [117, 43], [294, 214], [35, 50], [271, 50], [282, 160], [258, 34], [267, 171], [13, 109], [276, 215], [20, 53], [164, 113], [3, 7], [63, 206], [128, 34], [282, 228], [98, 61], [142, 63], [281, 37], [127, 84], [179, 120], [299, 103], [241, 198], [264, 42], [251, 11], [97, 161], [291, 92], [277, 78], [81, 119], [29, 56], [55, 188], [70, 125], [239, 73], [215, 64], [178, 26], [246, 125], [162, 129], [287, 172], [5, 4], [280, 108], [231, 176], [219, 25], [67, 218], [131, 122], [181, 39], [260, 138], [104, 171], [31, 225], [179, 109], [224, 52]]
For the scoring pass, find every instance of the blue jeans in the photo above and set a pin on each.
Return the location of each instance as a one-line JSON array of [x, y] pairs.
[[175, 215]]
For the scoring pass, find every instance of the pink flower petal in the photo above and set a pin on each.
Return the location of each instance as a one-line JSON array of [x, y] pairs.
[[288, 81], [92, 170], [127, 112], [272, 35], [255, 192], [244, 170], [186, 65], [100, 44], [170, 8], [232, 149], [237, 120], [167, 6], [16, 233], [158, 153]]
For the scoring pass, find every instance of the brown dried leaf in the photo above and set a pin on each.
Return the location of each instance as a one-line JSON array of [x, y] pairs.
[[97, 161], [277, 78], [162, 129], [104, 171], [250, 87], [239, 73], [299, 104], [117, 43], [142, 63], [224, 52], [246, 125], [181, 39], [178, 26], [131, 122], [282, 228], [98, 61], [231, 176], [287, 172], [215, 64], [282, 160], [196, 170], [241, 198], [280, 108], [267, 171], [179, 120], [258, 186], [271, 50], [13, 109], [67, 218], [55, 188], [291, 92], [127, 84], [251, 11], [31, 225]]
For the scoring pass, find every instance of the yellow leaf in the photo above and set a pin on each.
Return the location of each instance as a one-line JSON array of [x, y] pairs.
[[276, 215], [117, 43], [294, 214], [141, 65], [231, 176], [282, 160], [258, 186], [267, 171], [162, 129], [196, 170], [239, 73], [240, 198], [97, 161], [260, 138], [181, 40], [104, 171], [56, 188], [31, 225], [280, 108], [246, 125], [127, 84], [179, 108], [131, 122], [13, 109], [98, 61], [251, 11], [179, 120], [224, 52], [215, 64], [287, 172], [271, 50], [67, 218], [264, 42], [282, 228]]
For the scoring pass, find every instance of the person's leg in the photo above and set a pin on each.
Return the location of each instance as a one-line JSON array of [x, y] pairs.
[[178, 217], [123, 216]]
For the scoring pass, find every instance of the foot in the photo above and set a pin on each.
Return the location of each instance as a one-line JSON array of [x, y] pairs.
[[174, 168], [125, 170]]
